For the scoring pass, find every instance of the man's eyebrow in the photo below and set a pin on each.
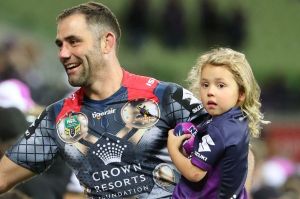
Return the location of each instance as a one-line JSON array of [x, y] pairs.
[[68, 38]]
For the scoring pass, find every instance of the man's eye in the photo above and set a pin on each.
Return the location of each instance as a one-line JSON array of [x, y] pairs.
[[73, 42]]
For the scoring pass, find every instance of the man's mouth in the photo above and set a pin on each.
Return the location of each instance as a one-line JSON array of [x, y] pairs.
[[71, 67]]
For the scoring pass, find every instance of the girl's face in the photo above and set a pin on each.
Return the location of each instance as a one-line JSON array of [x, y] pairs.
[[219, 91]]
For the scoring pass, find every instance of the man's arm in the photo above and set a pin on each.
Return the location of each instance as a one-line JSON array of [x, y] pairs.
[[11, 174]]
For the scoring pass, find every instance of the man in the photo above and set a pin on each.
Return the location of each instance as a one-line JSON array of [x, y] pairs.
[[112, 131]]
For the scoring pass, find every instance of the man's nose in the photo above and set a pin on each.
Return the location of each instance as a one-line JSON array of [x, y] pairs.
[[64, 52]]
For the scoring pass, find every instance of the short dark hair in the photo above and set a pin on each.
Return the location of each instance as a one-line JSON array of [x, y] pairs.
[[95, 13]]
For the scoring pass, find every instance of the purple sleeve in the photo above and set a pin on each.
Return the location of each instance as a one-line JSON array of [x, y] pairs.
[[208, 149]]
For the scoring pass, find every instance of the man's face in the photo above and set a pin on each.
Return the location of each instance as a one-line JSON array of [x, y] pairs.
[[79, 49]]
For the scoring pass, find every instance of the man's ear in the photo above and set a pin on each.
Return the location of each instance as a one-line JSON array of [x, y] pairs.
[[108, 42]]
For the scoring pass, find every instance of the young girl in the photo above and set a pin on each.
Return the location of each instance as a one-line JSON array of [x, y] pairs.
[[217, 168]]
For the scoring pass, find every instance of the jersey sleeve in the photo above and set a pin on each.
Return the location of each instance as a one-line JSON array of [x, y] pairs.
[[36, 149], [180, 105], [208, 148]]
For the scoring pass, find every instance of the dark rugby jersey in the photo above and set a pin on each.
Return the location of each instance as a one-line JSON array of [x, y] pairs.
[[221, 149], [117, 146]]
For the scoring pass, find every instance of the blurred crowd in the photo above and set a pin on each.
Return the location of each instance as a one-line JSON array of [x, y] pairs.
[[276, 176], [173, 30], [19, 83]]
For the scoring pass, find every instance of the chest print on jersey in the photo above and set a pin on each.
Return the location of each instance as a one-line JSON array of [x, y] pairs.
[[140, 113]]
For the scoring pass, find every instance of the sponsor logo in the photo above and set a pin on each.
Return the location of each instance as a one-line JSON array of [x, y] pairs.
[[198, 108], [206, 142], [101, 114], [125, 180], [110, 152], [187, 95], [202, 157], [140, 113], [150, 82], [117, 171]]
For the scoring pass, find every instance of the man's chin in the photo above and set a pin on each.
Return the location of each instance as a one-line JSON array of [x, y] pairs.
[[76, 83]]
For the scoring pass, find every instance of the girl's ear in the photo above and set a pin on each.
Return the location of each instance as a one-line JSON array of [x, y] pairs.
[[241, 98]]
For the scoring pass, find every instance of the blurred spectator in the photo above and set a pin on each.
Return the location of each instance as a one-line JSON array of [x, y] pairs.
[[49, 185], [174, 24], [276, 170], [14, 90], [14, 93], [137, 22], [12, 125], [266, 192], [271, 176], [224, 30], [291, 188], [21, 57], [210, 23], [236, 29], [275, 93], [6, 69]]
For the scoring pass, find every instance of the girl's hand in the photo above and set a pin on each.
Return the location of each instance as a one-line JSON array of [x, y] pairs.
[[175, 142]]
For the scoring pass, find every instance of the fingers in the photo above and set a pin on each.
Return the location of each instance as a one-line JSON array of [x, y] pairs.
[[171, 131]]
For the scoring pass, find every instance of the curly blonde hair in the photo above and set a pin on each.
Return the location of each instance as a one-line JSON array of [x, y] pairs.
[[238, 65]]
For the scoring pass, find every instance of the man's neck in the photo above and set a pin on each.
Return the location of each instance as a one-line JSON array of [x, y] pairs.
[[106, 85]]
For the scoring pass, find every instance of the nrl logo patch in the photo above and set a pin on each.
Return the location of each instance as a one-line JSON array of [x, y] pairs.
[[73, 127]]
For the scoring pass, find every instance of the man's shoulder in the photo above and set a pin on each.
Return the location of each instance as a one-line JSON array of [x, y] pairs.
[[131, 80], [141, 81]]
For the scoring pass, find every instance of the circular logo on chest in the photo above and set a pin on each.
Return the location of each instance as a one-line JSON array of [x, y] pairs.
[[140, 113], [73, 127]]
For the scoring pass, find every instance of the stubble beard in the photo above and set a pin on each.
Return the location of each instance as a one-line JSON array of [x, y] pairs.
[[80, 81]]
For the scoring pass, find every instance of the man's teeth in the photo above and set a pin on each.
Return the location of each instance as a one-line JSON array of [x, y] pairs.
[[70, 66]]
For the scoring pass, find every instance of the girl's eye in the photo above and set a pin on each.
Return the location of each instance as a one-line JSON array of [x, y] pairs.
[[204, 85], [221, 85]]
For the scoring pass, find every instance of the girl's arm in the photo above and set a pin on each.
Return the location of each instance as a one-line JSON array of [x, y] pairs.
[[182, 163]]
